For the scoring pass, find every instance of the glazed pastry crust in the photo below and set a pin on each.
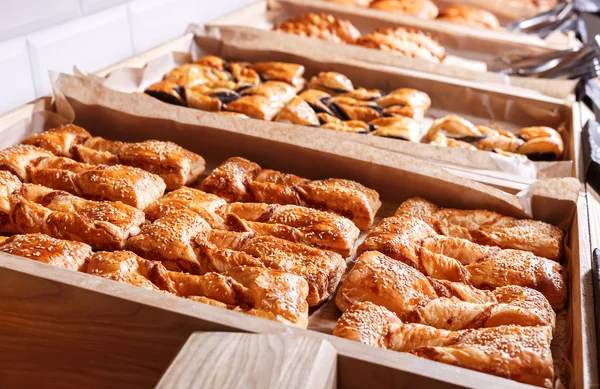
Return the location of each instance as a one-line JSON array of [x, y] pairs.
[[415, 298], [9, 183], [238, 179], [101, 224], [43, 248], [60, 141], [515, 352], [16, 159]]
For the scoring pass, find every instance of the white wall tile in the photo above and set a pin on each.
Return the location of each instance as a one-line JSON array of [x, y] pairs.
[[18, 17], [90, 43], [15, 74], [90, 6], [156, 21]]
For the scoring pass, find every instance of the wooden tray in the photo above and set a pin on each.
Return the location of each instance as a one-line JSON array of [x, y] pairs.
[[77, 330]]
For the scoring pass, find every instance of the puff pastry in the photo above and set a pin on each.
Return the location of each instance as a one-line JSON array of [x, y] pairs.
[[101, 224], [127, 184], [322, 269], [424, 9], [410, 240], [299, 112], [489, 228], [255, 106], [407, 41], [174, 164], [322, 26], [281, 71], [168, 91], [537, 143], [331, 82], [397, 127], [8, 184], [415, 298], [193, 74], [16, 159], [260, 292], [238, 179], [515, 352], [405, 102], [316, 228], [471, 16], [277, 91], [43, 248], [204, 204]]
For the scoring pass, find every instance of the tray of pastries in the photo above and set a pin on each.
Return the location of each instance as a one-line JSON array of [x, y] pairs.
[[472, 288], [280, 92]]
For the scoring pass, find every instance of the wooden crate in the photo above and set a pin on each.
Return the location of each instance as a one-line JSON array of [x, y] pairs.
[[74, 330]]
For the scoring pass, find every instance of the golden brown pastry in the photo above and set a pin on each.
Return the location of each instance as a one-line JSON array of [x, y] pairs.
[[541, 143], [471, 16], [515, 352], [439, 139], [405, 102], [498, 140], [409, 239], [397, 127], [322, 269], [357, 3], [407, 41], [171, 162], [320, 25], [202, 101], [347, 108], [238, 179], [60, 141], [320, 229], [101, 224], [453, 126], [299, 112], [415, 298], [127, 184], [191, 74], [317, 99], [8, 184], [352, 126], [489, 228], [424, 9], [213, 61], [331, 82], [255, 106], [364, 94], [169, 240], [278, 91], [16, 159], [43, 248], [168, 91], [260, 292], [204, 204], [281, 71]]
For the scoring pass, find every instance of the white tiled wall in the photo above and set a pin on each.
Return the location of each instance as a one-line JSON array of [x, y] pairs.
[[41, 35]]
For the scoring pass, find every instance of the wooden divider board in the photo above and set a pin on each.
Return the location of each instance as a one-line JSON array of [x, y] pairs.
[[220, 360]]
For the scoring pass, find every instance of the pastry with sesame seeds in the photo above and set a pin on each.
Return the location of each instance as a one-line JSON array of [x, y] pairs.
[[101, 224], [8, 184], [62, 253], [409, 239], [489, 228], [174, 164], [515, 352], [261, 292], [16, 159], [415, 298], [127, 184], [238, 179], [299, 224]]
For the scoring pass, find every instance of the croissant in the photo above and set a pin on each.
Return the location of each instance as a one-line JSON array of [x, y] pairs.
[[43, 248], [410, 240], [101, 224], [321, 229], [265, 293], [519, 353], [238, 179], [415, 298], [174, 164], [489, 228]]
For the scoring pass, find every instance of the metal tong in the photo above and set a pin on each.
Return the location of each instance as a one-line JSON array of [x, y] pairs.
[[573, 63], [561, 18]]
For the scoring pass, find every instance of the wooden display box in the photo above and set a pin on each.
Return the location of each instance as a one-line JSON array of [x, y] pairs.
[[480, 102], [74, 330]]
